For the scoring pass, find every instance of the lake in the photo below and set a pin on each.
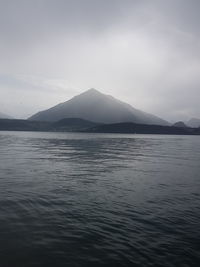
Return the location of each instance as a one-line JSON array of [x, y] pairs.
[[71, 199]]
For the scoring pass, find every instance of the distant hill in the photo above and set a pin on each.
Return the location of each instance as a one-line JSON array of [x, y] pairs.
[[80, 125], [132, 128], [194, 122], [65, 125], [4, 116], [180, 124], [95, 106], [22, 125]]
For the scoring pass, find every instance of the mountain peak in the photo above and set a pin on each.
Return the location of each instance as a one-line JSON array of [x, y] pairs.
[[92, 91], [90, 95]]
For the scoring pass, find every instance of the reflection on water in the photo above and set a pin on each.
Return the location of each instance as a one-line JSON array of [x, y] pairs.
[[99, 200]]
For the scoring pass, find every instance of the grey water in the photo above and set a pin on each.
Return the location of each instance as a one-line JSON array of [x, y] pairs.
[[70, 199]]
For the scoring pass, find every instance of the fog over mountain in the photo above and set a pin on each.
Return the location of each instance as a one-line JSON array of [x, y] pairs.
[[193, 122], [4, 116], [143, 52], [95, 106]]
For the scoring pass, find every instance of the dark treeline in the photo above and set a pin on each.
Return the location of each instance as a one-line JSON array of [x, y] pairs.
[[80, 125], [129, 127]]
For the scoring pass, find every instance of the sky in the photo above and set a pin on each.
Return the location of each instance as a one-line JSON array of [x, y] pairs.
[[143, 52]]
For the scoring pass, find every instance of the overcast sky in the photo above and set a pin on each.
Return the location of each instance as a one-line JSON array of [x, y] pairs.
[[144, 52]]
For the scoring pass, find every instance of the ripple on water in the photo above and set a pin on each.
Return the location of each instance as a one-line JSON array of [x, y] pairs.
[[99, 200]]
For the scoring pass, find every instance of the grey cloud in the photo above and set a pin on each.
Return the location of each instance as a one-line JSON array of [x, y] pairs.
[[143, 52], [30, 19]]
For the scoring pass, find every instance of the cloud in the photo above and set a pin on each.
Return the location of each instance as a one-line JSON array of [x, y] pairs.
[[143, 52]]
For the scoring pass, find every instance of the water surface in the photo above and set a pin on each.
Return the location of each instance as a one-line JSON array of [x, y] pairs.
[[69, 199]]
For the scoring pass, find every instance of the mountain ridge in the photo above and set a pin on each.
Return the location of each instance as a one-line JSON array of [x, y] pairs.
[[84, 126], [135, 128]]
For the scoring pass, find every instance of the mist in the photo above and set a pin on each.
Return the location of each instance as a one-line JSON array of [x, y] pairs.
[[145, 53]]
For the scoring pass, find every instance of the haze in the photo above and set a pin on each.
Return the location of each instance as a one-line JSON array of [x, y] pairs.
[[146, 53]]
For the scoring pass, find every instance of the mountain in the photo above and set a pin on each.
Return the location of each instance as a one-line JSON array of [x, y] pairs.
[[95, 106], [4, 116], [179, 124], [194, 122]]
